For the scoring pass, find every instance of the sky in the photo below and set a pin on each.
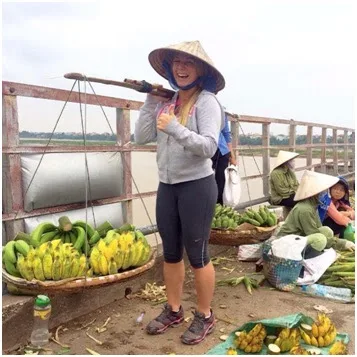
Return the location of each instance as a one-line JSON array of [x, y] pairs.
[[280, 58]]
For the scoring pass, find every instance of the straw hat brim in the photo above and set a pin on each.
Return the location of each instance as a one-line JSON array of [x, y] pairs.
[[157, 57], [312, 183], [283, 157]]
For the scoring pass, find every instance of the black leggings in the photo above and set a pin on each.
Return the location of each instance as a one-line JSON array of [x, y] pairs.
[[288, 202], [219, 164], [184, 214], [337, 229]]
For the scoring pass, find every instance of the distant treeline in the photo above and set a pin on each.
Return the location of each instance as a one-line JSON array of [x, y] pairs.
[[243, 139]]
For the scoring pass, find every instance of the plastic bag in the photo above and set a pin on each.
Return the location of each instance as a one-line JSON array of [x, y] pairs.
[[349, 233], [250, 252], [232, 187]]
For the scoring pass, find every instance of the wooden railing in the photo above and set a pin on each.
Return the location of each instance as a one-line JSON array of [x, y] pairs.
[[13, 202]]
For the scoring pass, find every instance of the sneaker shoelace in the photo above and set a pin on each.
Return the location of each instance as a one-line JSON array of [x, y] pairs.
[[197, 323], [164, 316]]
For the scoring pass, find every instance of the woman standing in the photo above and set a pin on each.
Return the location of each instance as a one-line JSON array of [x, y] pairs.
[[186, 129]]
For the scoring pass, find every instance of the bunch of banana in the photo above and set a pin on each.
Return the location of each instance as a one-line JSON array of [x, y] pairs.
[[338, 348], [231, 351], [298, 350], [287, 339], [251, 342], [119, 252], [323, 332], [10, 253], [261, 217], [52, 261], [226, 217]]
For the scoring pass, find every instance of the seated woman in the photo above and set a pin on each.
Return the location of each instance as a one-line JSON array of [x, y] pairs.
[[335, 210], [283, 182], [304, 220]]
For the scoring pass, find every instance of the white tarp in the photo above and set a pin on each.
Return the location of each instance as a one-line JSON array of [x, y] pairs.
[[60, 178]]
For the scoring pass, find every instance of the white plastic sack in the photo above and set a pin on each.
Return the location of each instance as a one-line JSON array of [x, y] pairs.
[[315, 267], [289, 247], [250, 252], [232, 187]]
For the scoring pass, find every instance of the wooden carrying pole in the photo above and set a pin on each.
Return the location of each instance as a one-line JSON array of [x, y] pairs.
[[140, 86]]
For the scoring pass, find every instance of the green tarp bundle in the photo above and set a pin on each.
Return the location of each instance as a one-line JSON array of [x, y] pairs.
[[270, 326]]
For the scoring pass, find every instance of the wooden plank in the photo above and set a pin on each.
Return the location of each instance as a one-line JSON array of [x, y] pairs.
[[323, 149], [353, 159], [12, 195], [235, 138], [73, 206], [345, 152], [27, 90], [266, 157], [292, 136], [261, 120], [123, 137], [26, 149], [335, 152], [308, 147]]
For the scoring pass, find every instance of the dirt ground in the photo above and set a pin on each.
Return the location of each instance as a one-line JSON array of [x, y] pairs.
[[233, 307]]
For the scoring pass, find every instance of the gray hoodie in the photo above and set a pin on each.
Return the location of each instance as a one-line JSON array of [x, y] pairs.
[[183, 153]]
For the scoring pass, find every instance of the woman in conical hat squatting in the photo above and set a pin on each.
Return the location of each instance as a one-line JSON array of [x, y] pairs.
[[186, 129], [304, 220], [335, 210], [283, 181]]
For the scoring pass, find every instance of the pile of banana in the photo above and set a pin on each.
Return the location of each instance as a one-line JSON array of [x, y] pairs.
[[287, 339], [251, 342], [261, 217], [338, 348], [119, 252], [226, 217], [323, 332], [50, 261]]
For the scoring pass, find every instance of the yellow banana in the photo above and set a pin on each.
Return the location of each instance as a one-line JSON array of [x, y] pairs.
[[74, 266], [314, 341], [112, 267], [57, 268], [47, 263], [41, 250], [103, 264], [305, 337], [66, 270], [315, 330], [101, 245], [321, 341], [38, 269]]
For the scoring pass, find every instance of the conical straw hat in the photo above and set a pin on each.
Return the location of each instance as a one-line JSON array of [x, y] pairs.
[[313, 183], [193, 49], [284, 156]]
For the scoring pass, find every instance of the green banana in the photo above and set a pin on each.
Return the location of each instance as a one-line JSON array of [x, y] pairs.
[[94, 238], [9, 252], [48, 236], [86, 226], [42, 228], [11, 269], [81, 236], [22, 247]]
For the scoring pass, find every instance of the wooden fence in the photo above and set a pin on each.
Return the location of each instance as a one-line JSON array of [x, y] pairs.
[[13, 200]]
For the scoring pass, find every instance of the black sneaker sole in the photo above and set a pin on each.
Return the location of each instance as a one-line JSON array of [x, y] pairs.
[[174, 324]]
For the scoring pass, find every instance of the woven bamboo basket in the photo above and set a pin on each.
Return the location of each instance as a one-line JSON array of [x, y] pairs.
[[72, 285], [245, 234]]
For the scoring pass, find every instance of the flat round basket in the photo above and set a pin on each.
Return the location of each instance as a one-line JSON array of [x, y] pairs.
[[33, 287], [244, 234]]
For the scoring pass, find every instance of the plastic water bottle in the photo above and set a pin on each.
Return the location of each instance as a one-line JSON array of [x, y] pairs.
[[41, 313]]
